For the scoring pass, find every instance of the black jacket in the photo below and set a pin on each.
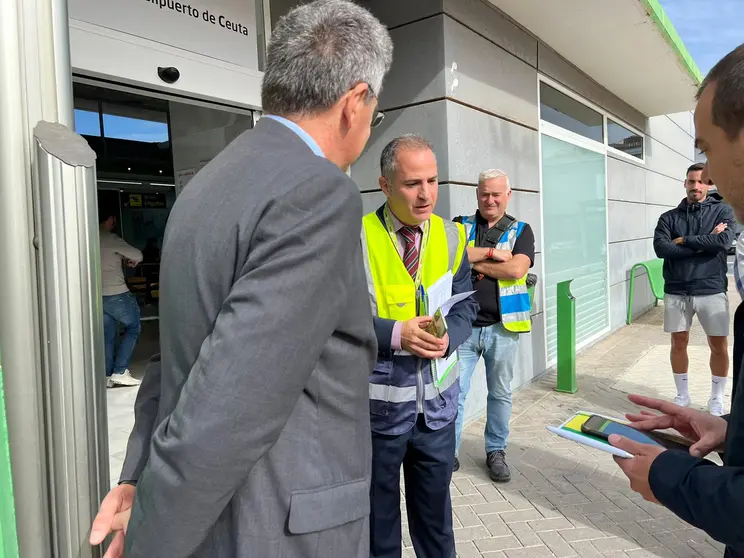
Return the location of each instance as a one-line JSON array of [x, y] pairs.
[[697, 267], [706, 495]]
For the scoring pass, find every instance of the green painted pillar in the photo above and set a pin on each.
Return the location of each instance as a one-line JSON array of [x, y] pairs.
[[566, 310], [8, 535]]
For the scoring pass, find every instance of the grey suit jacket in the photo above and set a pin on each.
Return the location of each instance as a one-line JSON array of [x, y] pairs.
[[262, 445]]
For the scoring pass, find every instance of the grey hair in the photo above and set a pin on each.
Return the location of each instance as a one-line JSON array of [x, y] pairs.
[[389, 155], [490, 174], [318, 52]]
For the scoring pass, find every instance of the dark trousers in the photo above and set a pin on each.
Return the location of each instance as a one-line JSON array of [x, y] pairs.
[[738, 347], [426, 456]]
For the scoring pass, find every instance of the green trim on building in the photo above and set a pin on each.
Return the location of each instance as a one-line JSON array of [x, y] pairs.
[[657, 13], [8, 534]]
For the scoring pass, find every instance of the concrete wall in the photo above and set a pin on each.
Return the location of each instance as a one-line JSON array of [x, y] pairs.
[[465, 76]]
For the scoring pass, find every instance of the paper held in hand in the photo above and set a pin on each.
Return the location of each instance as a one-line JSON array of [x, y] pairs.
[[439, 295]]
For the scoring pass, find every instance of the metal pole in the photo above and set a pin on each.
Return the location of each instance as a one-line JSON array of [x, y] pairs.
[[73, 331], [19, 331], [566, 307]]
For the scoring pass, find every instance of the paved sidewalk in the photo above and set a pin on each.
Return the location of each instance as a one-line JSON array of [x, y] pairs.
[[564, 499]]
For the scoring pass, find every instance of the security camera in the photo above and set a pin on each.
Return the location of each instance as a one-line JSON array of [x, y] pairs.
[[169, 74]]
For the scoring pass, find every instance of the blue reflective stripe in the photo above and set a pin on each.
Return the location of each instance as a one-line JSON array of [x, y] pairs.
[[515, 303]]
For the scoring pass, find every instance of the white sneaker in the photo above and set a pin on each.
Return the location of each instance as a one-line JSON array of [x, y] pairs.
[[682, 400], [109, 382], [715, 407], [124, 379]]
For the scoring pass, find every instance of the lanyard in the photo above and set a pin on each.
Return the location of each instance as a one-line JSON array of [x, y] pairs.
[[394, 238]]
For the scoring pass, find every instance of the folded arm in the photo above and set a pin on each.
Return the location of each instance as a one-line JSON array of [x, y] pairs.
[[253, 367], [715, 242], [701, 493], [664, 245], [516, 268]]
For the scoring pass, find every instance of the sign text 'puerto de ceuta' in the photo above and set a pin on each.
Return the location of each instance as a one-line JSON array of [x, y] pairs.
[[189, 10], [221, 29]]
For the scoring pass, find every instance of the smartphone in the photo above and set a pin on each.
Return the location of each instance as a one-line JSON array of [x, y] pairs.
[[602, 427]]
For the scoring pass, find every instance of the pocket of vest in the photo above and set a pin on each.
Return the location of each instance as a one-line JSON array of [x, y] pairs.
[[400, 301]]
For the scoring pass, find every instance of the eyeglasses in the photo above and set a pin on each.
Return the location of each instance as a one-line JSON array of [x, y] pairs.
[[378, 116], [377, 119]]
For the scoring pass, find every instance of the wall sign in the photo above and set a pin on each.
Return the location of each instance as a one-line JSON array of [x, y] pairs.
[[149, 201], [221, 29]]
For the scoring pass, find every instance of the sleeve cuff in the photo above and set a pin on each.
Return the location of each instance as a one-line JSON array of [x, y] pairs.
[[395, 341], [668, 472]]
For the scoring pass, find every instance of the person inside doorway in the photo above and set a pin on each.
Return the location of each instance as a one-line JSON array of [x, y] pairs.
[[119, 305], [502, 250], [693, 239]]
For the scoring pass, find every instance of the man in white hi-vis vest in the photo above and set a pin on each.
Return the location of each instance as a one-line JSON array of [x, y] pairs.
[[501, 250]]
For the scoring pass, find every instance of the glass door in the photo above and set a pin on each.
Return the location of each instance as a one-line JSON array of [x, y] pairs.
[[575, 236]]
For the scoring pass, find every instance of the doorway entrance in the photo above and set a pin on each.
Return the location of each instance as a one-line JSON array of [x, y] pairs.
[[148, 146]]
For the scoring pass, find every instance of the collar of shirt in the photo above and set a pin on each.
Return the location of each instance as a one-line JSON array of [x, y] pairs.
[[398, 224], [304, 136]]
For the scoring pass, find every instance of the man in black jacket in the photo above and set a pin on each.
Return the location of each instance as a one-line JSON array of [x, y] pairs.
[[698, 491], [693, 239]]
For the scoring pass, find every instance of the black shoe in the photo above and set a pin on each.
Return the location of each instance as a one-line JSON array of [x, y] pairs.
[[497, 467], [455, 465]]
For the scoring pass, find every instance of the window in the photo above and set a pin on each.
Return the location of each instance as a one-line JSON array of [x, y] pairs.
[[622, 139], [87, 121], [561, 110], [575, 237], [134, 123]]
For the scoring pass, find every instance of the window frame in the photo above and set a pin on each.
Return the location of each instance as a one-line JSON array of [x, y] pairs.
[[541, 78]]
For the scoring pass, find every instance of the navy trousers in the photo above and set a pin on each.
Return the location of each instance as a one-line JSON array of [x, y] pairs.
[[426, 456]]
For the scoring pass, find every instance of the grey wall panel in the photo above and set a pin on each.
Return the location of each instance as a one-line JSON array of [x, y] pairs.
[[685, 121], [643, 299], [663, 190], [478, 141], [394, 14], [485, 76], [555, 66], [662, 159], [429, 120], [653, 212], [625, 181], [531, 354], [627, 221], [485, 19], [666, 131], [371, 201], [624, 255], [417, 73]]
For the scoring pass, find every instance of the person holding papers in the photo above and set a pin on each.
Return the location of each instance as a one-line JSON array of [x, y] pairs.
[[502, 250], [416, 265]]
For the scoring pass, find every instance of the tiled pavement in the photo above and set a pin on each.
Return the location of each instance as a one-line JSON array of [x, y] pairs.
[[564, 499]]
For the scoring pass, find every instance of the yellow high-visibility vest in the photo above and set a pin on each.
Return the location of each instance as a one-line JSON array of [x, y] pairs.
[[514, 298], [393, 292]]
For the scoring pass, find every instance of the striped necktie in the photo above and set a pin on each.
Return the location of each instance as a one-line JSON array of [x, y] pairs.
[[410, 252]]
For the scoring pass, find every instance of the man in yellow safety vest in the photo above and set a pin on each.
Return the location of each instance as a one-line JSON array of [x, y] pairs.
[[413, 394], [501, 249]]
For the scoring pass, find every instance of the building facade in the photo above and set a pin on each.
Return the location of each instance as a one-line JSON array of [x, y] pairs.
[[590, 172], [584, 104]]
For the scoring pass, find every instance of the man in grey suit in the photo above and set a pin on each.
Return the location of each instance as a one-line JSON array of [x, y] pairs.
[[262, 444]]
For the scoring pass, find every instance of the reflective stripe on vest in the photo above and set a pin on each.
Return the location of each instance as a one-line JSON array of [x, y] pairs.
[[514, 298], [392, 291]]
